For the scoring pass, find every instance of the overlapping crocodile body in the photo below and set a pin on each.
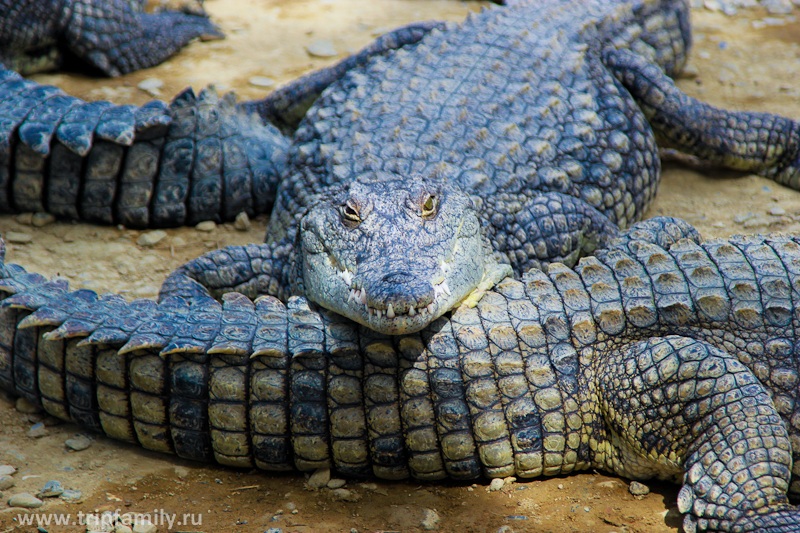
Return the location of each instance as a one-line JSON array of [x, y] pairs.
[[676, 363]]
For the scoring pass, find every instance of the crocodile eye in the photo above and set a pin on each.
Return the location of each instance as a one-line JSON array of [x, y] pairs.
[[430, 206], [351, 217]]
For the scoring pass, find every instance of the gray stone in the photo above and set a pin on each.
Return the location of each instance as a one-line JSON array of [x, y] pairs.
[[38, 430], [638, 489], [72, 496], [40, 220], [496, 484], [741, 218], [6, 482], [207, 226], [24, 406], [242, 222], [261, 81], [7, 470], [17, 237], [345, 495], [322, 48], [319, 478], [144, 527], [151, 86], [777, 211], [430, 519], [122, 528], [51, 489], [151, 238], [336, 483], [26, 500], [78, 443]]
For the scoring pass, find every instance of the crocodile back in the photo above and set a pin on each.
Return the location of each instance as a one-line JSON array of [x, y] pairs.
[[513, 101]]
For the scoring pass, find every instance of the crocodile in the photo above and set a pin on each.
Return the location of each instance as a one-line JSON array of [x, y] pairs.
[[114, 37], [676, 363], [441, 158]]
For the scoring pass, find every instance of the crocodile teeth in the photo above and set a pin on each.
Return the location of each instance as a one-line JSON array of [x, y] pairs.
[[346, 275], [430, 307], [390, 311], [446, 288], [412, 311]]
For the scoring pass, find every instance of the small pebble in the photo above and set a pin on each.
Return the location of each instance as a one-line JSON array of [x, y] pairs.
[[290, 506], [122, 528], [151, 86], [242, 222], [505, 529], [517, 517], [345, 495], [336, 483], [7, 470], [755, 222], [430, 519], [17, 237], [78, 443], [40, 220], [72, 496], [144, 527], [206, 226], [777, 211], [509, 480], [51, 489], [151, 238], [38, 430], [741, 218], [26, 500], [353, 530], [261, 81], [26, 219], [560, 486], [274, 530], [322, 48], [638, 489], [24, 406], [319, 478], [496, 484], [6, 482]]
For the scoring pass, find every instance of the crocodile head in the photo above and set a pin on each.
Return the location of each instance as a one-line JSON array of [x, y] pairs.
[[393, 255]]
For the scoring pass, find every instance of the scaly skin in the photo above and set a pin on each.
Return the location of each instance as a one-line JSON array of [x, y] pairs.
[[441, 158], [113, 36], [197, 158], [676, 363], [538, 120]]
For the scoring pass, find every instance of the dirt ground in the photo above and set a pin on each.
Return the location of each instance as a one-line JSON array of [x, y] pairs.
[[738, 63]]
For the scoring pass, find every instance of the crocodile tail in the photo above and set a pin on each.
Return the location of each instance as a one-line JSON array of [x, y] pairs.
[[195, 159]]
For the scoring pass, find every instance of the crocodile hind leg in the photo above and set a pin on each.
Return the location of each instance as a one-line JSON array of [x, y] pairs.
[[762, 143], [679, 407], [113, 35]]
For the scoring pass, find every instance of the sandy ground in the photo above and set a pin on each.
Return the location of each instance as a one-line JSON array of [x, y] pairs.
[[735, 65]]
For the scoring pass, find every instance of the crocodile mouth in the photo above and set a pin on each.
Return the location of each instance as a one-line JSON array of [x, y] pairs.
[[441, 291]]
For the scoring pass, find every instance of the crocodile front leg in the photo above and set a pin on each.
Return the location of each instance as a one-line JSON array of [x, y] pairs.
[[252, 270]]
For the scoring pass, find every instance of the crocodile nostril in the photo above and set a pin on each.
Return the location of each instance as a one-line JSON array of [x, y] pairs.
[[397, 278]]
